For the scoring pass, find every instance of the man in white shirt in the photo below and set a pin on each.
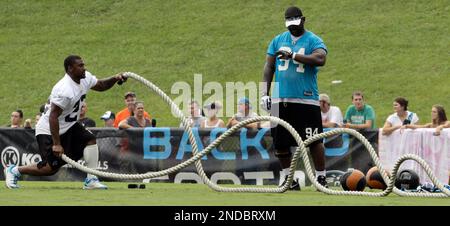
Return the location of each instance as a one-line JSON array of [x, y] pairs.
[[331, 115], [59, 132]]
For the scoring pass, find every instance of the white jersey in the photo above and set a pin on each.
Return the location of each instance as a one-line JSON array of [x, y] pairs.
[[69, 96]]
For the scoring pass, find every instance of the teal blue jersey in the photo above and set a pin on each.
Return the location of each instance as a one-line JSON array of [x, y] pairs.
[[293, 79], [354, 116]]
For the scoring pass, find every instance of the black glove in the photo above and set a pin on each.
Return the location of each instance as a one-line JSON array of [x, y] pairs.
[[123, 79], [283, 54]]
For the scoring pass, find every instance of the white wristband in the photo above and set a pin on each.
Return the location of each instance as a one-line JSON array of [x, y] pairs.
[[293, 56]]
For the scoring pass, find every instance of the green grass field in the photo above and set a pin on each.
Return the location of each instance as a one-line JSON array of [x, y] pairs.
[[165, 194], [385, 48]]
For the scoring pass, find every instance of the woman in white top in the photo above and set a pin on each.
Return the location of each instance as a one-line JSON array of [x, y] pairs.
[[401, 117], [211, 114], [438, 120]]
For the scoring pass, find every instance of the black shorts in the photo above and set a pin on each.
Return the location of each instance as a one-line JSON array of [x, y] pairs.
[[73, 141], [305, 118]]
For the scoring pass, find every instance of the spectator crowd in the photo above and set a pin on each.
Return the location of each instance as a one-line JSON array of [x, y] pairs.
[[358, 115]]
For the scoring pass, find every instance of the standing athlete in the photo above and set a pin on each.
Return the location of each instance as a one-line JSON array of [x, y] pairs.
[[59, 132], [294, 57]]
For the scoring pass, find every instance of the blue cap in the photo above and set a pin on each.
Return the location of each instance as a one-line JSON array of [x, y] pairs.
[[244, 100]]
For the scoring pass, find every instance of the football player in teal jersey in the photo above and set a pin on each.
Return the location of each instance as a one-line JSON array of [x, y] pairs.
[[294, 57]]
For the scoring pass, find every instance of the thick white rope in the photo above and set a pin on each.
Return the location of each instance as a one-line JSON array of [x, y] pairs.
[[300, 151], [389, 181]]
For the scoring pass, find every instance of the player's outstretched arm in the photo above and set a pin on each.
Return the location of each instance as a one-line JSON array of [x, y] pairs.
[[317, 58], [107, 83]]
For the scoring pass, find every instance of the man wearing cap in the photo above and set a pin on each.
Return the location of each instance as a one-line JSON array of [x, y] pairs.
[[244, 113], [109, 118], [294, 57], [331, 115], [130, 100]]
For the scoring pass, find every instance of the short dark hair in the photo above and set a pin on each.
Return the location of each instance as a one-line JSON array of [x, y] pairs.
[[70, 60], [357, 93], [130, 94], [20, 112], [402, 101]]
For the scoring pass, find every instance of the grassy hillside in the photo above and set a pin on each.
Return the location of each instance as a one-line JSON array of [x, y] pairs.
[[385, 48]]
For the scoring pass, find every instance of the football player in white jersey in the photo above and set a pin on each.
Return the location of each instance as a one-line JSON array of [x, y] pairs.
[[58, 131]]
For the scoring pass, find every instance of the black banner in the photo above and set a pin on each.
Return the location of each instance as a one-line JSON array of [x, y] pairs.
[[246, 157]]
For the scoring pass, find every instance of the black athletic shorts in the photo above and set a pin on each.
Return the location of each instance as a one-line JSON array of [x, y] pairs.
[[73, 141], [306, 120]]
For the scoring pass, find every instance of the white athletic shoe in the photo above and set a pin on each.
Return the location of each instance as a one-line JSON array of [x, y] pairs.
[[11, 178], [93, 183]]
